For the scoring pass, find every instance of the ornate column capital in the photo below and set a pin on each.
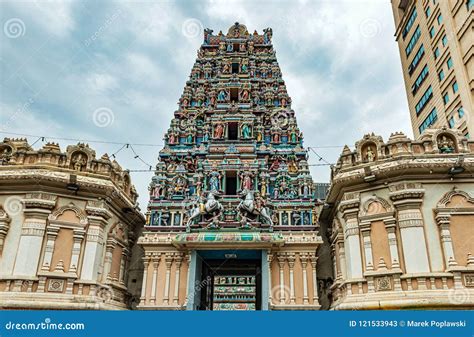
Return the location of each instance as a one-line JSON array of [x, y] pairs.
[[291, 259], [39, 200]]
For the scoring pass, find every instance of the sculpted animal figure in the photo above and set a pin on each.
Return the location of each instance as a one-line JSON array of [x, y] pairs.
[[248, 206], [212, 206]]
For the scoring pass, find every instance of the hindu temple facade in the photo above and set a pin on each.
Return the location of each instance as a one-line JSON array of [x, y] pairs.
[[232, 217], [69, 223], [399, 219]]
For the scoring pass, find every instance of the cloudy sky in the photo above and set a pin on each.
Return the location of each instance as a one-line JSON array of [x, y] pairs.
[[114, 71]]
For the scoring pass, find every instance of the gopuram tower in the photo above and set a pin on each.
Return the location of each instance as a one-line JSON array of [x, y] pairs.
[[232, 218]]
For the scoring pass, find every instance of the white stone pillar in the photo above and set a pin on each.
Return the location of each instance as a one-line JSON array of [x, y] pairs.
[[146, 262], [269, 260], [168, 261], [304, 263], [369, 260], [281, 264], [313, 258], [178, 258], [108, 260], [342, 260], [392, 242], [291, 264], [92, 253], [78, 236], [443, 221], [51, 235], [352, 242], [154, 285]]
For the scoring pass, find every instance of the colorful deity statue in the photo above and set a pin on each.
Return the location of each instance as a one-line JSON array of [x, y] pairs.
[[276, 134], [214, 181], [244, 66], [259, 129], [276, 164], [226, 68], [293, 135], [292, 166], [207, 36], [244, 96], [370, 154], [222, 95], [305, 190], [206, 129], [263, 187], [446, 145], [246, 183], [251, 47], [246, 131], [219, 131]]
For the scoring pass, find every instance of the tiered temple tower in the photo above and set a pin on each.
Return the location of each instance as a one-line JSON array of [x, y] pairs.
[[231, 221]]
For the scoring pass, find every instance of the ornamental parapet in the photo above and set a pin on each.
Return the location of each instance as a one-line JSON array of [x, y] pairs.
[[78, 166], [438, 151]]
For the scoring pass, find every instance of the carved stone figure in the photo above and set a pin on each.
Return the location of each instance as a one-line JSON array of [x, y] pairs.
[[214, 181], [222, 95], [246, 131], [207, 35], [246, 181], [370, 154], [446, 145], [219, 131], [79, 162]]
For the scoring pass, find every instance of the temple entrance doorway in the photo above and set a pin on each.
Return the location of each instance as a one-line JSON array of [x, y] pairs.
[[231, 283]]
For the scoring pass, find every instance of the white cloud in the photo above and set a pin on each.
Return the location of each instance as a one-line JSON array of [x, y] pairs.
[[55, 17]]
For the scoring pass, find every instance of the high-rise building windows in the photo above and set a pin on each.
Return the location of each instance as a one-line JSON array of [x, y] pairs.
[[446, 98], [441, 75], [436, 53], [424, 100], [419, 80], [410, 23], [440, 19], [445, 41], [451, 122], [414, 39], [432, 32], [432, 117], [416, 60], [449, 63], [461, 112], [428, 12], [455, 87]]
